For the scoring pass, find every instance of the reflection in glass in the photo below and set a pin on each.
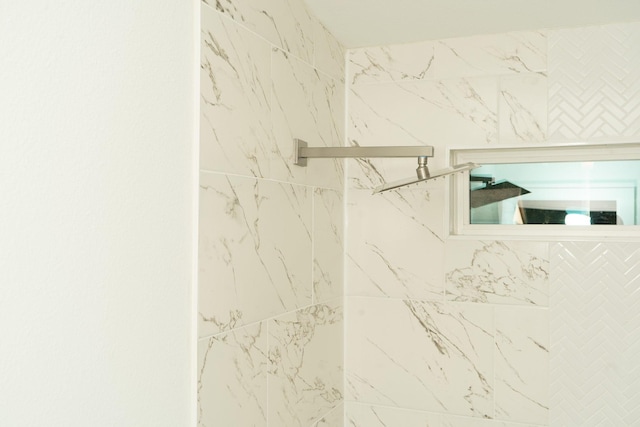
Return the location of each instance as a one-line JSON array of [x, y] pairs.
[[569, 193]]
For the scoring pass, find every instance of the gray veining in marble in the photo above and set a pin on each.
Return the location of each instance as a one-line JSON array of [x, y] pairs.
[[495, 54], [284, 23], [514, 272], [328, 245], [522, 364], [391, 63], [306, 105], [306, 366], [442, 361], [235, 111], [232, 378], [335, 418], [395, 248], [255, 260], [523, 109]]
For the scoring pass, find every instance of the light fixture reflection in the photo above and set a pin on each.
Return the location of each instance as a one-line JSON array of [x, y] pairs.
[[577, 219]]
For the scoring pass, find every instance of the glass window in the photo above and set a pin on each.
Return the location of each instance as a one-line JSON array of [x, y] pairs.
[[556, 191], [562, 193]]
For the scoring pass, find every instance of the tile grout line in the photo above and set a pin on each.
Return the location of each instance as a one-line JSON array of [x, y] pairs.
[[268, 350], [313, 240], [273, 317], [345, 233], [495, 353]]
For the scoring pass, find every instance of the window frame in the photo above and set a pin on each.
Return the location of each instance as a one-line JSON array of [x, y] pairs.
[[459, 211]]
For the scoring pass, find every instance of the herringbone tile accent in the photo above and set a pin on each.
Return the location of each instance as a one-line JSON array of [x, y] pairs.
[[594, 82], [595, 334]]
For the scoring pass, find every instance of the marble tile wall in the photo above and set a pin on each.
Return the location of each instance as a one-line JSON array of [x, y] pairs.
[[456, 331], [271, 238], [473, 91], [438, 331], [442, 331], [365, 415]]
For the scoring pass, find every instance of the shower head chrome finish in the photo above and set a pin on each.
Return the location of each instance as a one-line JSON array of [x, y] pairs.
[[422, 171], [414, 180]]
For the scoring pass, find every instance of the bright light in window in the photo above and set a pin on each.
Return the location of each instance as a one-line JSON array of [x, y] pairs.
[[577, 219]]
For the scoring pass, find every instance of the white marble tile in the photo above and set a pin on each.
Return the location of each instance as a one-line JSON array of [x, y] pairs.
[[391, 63], [328, 245], [514, 272], [306, 364], [436, 113], [306, 105], [292, 99], [453, 421], [232, 378], [328, 107], [284, 23], [523, 108], [394, 248], [418, 355], [335, 418], [361, 415], [329, 54], [235, 122], [495, 54], [254, 250], [522, 364]]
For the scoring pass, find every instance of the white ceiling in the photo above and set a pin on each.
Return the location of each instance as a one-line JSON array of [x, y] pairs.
[[358, 23]]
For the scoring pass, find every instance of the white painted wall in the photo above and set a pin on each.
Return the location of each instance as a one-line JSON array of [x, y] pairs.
[[97, 135]]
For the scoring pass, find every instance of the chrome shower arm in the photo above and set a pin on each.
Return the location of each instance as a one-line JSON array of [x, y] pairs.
[[302, 152]]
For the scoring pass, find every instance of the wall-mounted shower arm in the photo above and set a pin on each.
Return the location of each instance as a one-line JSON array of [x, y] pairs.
[[303, 152]]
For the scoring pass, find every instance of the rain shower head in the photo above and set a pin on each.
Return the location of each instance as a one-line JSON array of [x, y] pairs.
[[424, 175], [492, 193]]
